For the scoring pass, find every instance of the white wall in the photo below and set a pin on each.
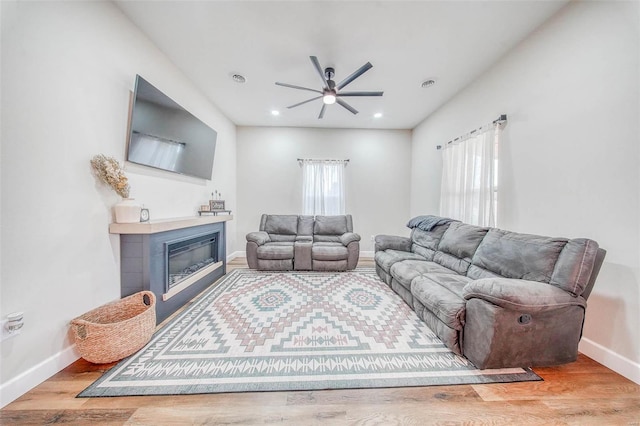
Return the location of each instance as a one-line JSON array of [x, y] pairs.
[[377, 177], [570, 161], [67, 72]]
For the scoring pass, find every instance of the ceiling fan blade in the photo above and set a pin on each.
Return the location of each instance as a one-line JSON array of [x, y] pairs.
[[304, 102], [357, 73], [324, 106], [360, 94], [318, 68], [346, 105], [297, 87]]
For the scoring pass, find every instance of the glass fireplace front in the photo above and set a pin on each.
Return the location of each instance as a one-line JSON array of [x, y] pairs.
[[186, 257]]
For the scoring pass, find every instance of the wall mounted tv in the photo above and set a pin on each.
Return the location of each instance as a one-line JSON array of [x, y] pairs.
[[165, 136]]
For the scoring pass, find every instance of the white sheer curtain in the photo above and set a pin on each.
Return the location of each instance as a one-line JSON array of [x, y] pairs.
[[469, 190], [323, 188]]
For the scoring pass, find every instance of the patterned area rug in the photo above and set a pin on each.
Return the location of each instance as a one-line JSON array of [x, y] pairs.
[[268, 331]]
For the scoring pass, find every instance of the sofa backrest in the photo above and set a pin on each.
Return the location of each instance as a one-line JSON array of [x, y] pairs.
[[560, 262], [323, 228], [280, 227], [305, 225], [513, 255], [458, 246], [478, 252], [576, 265], [425, 243], [329, 228]]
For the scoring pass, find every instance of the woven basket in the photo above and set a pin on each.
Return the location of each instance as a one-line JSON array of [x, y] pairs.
[[116, 330]]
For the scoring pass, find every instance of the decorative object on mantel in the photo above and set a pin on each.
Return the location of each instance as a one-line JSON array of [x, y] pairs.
[[144, 215], [216, 204], [116, 330], [127, 211], [109, 171]]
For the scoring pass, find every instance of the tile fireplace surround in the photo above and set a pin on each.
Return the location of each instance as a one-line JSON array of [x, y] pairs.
[[144, 257]]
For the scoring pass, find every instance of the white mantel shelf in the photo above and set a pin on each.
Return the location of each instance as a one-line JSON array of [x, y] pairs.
[[162, 225]]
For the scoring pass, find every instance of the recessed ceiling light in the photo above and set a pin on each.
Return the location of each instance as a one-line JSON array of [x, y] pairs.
[[275, 112], [238, 78], [428, 83], [377, 115]]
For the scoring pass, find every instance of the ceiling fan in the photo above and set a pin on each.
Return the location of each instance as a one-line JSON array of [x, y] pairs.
[[331, 92]]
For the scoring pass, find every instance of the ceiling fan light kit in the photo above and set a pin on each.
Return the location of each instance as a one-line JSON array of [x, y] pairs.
[[331, 92], [329, 98]]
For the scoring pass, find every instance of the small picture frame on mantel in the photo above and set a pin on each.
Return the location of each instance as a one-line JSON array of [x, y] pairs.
[[216, 205]]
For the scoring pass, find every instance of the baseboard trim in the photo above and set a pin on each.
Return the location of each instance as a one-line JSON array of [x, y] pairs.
[[37, 374], [608, 358], [236, 254], [367, 254]]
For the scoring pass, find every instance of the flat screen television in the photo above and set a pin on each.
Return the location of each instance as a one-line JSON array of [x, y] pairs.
[[165, 136]]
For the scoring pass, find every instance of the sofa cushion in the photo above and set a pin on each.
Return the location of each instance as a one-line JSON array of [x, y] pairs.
[[305, 225], [457, 246], [281, 224], [281, 238], [573, 269], [405, 271], [432, 291], [385, 259], [462, 240], [329, 251], [514, 255], [330, 225], [276, 251], [428, 239]]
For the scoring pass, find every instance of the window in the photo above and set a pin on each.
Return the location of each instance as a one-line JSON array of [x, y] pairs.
[[323, 187], [469, 190]]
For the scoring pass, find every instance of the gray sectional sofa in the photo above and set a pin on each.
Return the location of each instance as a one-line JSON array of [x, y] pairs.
[[292, 242], [499, 298]]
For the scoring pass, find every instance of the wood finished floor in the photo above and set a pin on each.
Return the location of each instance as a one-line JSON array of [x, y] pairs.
[[581, 393]]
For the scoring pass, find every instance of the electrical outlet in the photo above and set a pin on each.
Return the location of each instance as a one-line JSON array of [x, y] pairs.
[[373, 238], [5, 333]]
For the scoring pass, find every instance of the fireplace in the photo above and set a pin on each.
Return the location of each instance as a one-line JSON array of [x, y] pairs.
[[188, 256], [176, 260]]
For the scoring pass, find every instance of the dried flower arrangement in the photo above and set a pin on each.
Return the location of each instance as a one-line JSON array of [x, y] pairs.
[[109, 171]]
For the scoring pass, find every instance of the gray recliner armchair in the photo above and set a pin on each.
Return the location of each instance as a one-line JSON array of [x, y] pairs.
[[291, 242]]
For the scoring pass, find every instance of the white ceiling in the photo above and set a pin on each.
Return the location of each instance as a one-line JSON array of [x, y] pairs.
[[407, 42]]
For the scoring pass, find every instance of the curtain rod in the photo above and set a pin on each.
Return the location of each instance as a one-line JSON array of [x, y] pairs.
[[313, 159], [499, 120]]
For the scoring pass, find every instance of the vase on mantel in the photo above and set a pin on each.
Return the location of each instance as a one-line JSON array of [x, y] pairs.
[[127, 211]]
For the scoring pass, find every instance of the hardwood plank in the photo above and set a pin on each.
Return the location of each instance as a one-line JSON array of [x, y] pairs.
[[52, 395], [564, 382], [242, 401], [84, 417], [353, 397], [624, 411], [229, 414], [447, 413]]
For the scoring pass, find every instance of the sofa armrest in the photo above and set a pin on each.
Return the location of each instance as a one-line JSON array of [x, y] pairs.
[[304, 238], [393, 242], [349, 237], [258, 237], [521, 295]]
